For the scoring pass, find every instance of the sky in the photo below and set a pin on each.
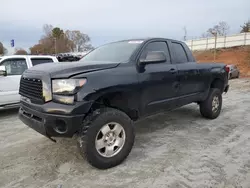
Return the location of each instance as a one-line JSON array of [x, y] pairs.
[[110, 20]]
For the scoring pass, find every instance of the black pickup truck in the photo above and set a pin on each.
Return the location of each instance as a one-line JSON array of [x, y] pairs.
[[98, 98]]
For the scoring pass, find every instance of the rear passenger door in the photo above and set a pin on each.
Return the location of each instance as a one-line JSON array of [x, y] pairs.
[[158, 81], [188, 74]]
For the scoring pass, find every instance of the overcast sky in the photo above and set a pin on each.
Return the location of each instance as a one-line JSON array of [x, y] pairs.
[[109, 20]]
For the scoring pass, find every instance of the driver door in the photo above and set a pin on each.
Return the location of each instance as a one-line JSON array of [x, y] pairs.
[[158, 81], [9, 85]]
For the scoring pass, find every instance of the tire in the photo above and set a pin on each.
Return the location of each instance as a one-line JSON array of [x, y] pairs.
[[230, 76], [238, 75], [206, 107], [108, 121]]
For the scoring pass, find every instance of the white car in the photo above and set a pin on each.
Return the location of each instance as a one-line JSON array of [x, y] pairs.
[[11, 69]]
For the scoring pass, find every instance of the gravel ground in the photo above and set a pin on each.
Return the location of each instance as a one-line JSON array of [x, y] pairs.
[[176, 149]]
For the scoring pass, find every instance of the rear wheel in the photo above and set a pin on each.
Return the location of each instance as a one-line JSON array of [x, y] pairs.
[[109, 139], [211, 107], [238, 75]]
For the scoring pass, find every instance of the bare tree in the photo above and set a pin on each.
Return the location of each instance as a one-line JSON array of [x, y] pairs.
[[79, 39], [212, 31], [224, 28], [39, 49], [205, 35], [3, 50], [55, 40], [20, 51], [47, 29], [221, 29]]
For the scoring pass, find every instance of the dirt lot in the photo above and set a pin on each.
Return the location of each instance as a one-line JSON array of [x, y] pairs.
[[239, 55], [177, 149]]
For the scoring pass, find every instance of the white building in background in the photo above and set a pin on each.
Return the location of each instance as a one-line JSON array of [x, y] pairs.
[[241, 39]]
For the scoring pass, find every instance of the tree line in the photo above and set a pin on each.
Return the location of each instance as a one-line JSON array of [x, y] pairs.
[[55, 40], [3, 50], [222, 29]]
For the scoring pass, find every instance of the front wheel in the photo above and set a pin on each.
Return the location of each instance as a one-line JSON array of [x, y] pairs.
[[109, 138], [211, 107]]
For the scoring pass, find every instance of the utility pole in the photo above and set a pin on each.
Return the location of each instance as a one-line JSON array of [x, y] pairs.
[[185, 33], [55, 44], [214, 33]]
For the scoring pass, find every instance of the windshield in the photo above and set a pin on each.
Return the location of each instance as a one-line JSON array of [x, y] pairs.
[[113, 52]]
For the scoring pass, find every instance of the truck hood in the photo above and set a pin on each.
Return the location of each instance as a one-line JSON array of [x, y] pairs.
[[68, 69]]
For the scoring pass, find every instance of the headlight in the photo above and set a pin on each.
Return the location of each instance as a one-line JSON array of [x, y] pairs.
[[67, 87]]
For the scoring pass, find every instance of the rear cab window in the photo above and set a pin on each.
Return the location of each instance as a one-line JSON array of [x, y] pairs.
[[38, 61], [180, 53]]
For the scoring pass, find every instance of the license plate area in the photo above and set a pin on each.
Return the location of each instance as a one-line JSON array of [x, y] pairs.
[[31, 116]]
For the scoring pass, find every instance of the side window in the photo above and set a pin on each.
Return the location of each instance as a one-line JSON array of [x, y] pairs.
[[156, 46], [181, 56], [37, 61], [15, 66]]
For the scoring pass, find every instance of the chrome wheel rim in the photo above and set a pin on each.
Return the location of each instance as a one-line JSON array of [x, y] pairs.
[[215, 104], [110, 139]]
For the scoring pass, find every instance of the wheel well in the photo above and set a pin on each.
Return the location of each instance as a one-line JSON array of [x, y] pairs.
[[218, 83], [120, 101]]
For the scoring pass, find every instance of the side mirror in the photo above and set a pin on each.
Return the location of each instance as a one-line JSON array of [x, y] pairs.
[[154, 57], [3, 71]]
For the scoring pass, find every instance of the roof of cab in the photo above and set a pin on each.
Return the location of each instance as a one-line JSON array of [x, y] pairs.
[[28, 56], [147, 39]]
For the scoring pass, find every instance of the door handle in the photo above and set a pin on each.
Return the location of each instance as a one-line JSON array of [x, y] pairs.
[[173, 71], [176, 85]]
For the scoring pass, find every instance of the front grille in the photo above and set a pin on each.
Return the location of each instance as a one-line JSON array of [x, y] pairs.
[[32, 88]]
